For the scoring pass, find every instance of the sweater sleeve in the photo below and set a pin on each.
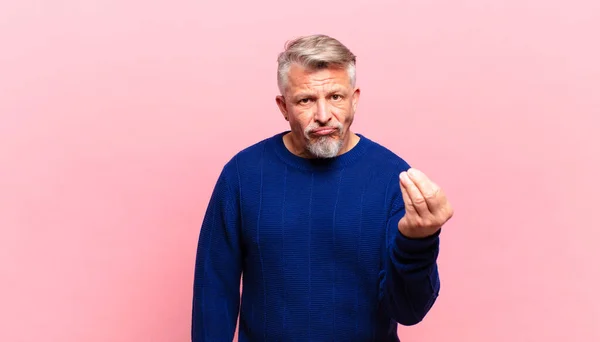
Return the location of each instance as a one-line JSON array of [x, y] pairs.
[[410, 280], [216, 292]]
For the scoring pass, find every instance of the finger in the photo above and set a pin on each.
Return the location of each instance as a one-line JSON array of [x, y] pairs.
[[428, 189], [415, 196], [408, 205]]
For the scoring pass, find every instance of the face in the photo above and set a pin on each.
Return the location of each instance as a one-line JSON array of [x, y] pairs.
[[320, 106]]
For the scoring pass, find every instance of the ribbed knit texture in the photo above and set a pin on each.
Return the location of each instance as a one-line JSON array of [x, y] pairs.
[[318, 244]]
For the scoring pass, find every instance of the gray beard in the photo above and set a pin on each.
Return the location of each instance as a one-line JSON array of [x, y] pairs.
[[325, 147]]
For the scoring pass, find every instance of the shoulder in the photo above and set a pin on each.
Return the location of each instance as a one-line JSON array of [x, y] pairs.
[[383, 157], [387, 165], [248, 157]]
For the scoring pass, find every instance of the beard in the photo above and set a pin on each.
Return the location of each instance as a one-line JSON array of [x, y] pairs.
[[324, 146]]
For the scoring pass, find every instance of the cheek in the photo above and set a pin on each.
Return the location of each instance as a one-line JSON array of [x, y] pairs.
[[298, 123], [343, 113], [301, 118]]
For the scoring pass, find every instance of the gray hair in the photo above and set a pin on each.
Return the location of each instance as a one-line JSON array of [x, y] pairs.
[[315, 52]]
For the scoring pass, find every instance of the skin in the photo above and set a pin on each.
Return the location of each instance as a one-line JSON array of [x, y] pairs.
[[427, 207], [322, 97], [326, 97]]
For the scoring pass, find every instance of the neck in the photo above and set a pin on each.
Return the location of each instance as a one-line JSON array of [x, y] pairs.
[[349, 143]]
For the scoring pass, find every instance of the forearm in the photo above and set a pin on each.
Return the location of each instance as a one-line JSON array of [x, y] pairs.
[[216, 292], [218, 267], [411, 283], [215, 307]]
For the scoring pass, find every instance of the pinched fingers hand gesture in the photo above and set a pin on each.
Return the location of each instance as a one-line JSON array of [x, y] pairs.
[[427, 208]]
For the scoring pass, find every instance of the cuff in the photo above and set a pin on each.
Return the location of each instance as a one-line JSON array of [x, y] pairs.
[[405, 245]]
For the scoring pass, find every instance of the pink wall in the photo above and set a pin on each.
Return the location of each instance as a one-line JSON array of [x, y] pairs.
[[116, 117]]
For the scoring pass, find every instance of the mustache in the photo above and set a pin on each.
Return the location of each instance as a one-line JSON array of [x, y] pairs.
[[310, 128]]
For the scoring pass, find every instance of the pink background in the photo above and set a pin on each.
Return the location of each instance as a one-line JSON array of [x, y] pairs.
[[117, 115]]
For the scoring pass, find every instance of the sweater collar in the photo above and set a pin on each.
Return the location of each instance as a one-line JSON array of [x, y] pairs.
[[313, 164]]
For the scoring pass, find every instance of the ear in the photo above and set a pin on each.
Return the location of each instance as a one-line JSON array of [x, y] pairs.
[[280, 100], [355, 98]]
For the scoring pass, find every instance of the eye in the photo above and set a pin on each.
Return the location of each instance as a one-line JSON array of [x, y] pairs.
[[304, 101], [336, 97]]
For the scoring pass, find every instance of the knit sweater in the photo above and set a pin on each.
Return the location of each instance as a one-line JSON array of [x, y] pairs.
[[317, 247]]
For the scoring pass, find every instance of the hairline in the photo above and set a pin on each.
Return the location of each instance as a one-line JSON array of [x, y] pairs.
[[284, 70]]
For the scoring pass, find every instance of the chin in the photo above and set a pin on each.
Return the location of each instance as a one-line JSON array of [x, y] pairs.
[[325, 147]]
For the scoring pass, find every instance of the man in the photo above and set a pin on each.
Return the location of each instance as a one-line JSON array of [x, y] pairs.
[[336, 237]]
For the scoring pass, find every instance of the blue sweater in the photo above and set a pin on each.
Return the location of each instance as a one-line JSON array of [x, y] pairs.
[[318, 245]]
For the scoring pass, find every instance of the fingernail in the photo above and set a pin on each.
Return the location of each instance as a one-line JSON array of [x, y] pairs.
[[412, 172]]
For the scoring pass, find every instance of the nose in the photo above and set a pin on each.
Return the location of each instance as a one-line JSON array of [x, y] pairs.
[[323, 114]]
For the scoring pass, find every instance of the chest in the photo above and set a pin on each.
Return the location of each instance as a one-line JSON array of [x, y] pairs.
[[296, 217]]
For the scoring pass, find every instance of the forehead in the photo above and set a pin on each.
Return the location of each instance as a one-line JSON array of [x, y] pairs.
[[302, 79]]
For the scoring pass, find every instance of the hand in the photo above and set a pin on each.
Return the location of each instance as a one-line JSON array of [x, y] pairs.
[[427, 208]]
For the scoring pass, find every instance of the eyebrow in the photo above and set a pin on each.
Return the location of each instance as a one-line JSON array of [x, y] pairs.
[[305, 94]]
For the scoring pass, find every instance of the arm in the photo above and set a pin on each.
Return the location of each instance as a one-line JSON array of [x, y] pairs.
[[216, 293], [411, 283]]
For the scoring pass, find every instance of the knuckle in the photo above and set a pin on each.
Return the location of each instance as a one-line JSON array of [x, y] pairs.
[[419, 200], [433, 221], [433, 193], [429, 195], [419, 222]]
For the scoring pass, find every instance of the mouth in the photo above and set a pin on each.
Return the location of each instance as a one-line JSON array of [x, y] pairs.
[[323, 131]]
